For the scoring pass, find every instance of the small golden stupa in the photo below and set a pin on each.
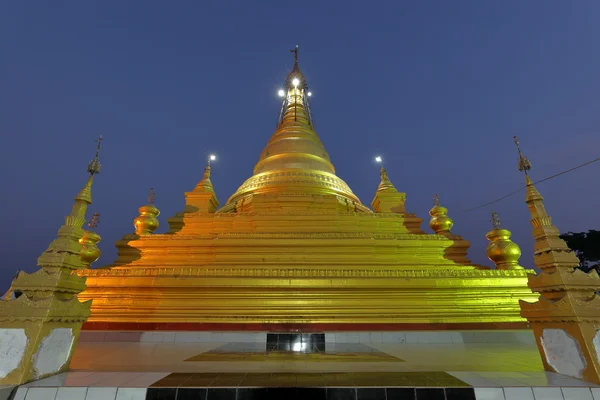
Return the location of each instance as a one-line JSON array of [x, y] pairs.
[[295, 249]]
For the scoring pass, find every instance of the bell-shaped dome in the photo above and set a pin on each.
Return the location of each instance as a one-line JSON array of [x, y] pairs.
[[294, 160]]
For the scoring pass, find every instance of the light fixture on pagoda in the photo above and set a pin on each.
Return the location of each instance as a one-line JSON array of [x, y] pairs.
[[295, 82], [281, 93]]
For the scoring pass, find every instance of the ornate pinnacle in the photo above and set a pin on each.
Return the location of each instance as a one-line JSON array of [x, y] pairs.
[[495, 220], [524, 163], [94, 165], [295, 51], [151, 196], [94, 221], [436, 200]]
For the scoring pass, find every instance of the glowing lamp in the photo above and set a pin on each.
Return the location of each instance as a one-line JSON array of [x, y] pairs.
[[295, 81], [309, 94], [281, 93], [212, 157], [378, 159]]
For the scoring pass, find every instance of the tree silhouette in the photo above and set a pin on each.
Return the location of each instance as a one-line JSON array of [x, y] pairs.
[[586, 246]]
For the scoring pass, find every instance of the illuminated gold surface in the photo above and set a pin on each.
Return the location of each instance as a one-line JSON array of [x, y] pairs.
[[294, 245], [440, 222], [49, 295], [501, 250], [568, 299], [89, 248], [147, 221]]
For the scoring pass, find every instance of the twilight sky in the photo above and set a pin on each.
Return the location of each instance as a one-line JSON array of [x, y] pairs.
[[437, 87]]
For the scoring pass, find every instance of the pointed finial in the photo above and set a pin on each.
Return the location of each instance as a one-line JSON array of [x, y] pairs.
[[524, 163], [94, 165], [94, 221], [295, 51], [151, 196], [495, 220], [436, 200]]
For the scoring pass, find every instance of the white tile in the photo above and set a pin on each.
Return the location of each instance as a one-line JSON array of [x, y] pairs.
[[577, 393], [547, 393], [352, 337], [131, 394], [151, 337], [489, 394], [168, 337], [364, 337], [101, 393], [41, 393], [394, 337], [596, 393], [376, 337], [456, 338], [189, 337], [54, 380], [515, 393], [71, 393], [21, 393], [217, 337]]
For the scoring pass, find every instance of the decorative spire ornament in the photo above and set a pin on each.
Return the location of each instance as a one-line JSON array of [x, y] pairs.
[[89, 243], [501, 250], [440, 222], [524, 163], [387, 197], [151, 196], [566, 318], [147, 221], [48, 313], [295, 106]]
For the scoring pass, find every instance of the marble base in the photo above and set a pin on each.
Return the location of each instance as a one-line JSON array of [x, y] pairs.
[[412, 337]]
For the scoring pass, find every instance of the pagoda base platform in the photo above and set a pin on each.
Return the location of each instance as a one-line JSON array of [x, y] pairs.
[[118, 370], [523, 336]]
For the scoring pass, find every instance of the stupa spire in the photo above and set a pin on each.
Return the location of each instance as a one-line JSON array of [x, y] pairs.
[[387, 198], [550, 250], [203, 198], [295, 105], [566, 315], [64, 250], [294, 160], [48, 313]]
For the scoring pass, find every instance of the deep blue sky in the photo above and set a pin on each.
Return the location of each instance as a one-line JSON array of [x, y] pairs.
[[438, 87]]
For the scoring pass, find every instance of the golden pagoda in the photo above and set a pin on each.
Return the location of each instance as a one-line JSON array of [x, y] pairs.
[[295, 249]]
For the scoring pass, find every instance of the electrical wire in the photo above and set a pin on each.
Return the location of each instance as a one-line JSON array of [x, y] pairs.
[[535, 183]]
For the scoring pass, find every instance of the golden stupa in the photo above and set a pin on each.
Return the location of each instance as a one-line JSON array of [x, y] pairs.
[[294, 248]]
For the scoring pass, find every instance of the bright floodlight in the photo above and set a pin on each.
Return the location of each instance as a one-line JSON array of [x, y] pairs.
[[295, 81], [378, 159], [309, 94], [281, 93], [212, 157]]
